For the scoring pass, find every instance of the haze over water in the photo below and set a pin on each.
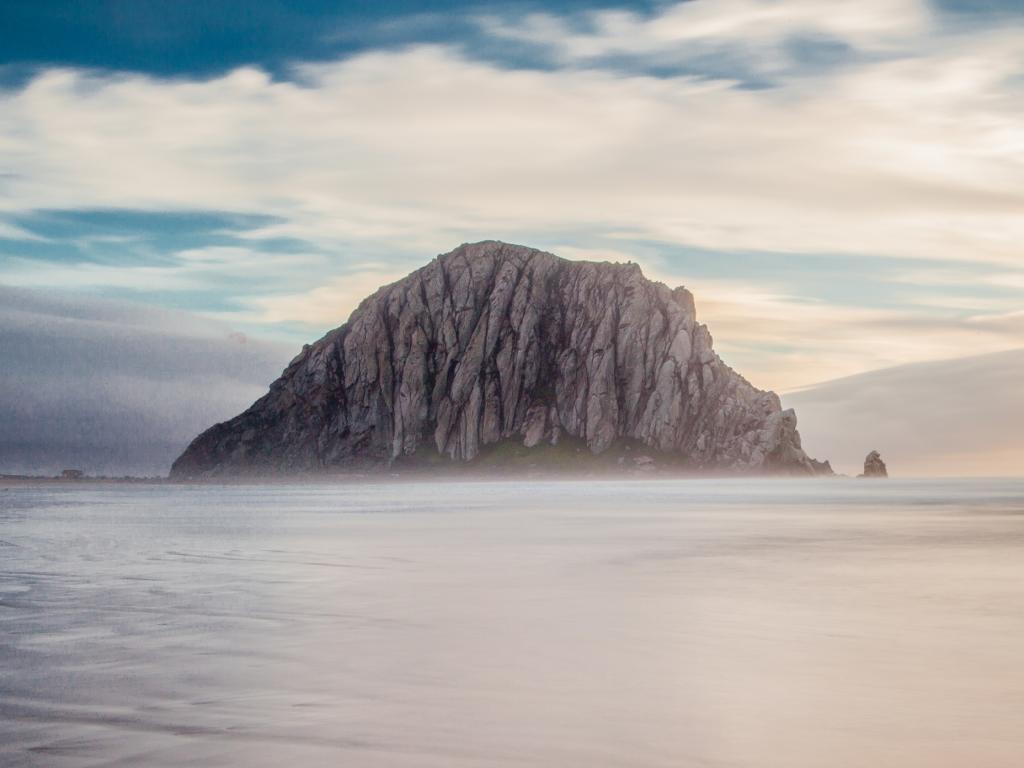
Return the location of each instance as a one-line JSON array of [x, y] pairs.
[[776, 624]]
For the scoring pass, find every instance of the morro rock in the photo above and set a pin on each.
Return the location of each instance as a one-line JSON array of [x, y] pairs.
[[874, 466], [495, 344]]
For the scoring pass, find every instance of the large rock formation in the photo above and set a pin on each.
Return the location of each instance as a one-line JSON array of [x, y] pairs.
[[495, 342]]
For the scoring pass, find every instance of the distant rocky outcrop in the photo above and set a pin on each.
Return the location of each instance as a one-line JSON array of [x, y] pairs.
[[496, 344], [874, 466]]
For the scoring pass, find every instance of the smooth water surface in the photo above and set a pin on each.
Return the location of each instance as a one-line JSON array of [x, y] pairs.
[[777, 624]]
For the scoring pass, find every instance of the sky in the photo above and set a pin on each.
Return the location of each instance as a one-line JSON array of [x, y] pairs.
[[839, 183]]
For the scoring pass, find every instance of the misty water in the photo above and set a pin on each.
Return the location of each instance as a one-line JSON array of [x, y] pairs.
[[783, 624]]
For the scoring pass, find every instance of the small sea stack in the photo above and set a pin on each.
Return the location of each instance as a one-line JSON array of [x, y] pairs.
[[874, 466]]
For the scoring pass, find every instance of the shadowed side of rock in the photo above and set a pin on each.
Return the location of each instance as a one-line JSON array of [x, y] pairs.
[[493, 342]]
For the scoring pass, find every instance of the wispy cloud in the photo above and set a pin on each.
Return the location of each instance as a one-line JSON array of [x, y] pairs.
[[757, 34], [216, 268], [325, 305], [13, 232]]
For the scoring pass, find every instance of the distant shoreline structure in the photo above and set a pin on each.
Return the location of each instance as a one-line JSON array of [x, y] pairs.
[[454, 474], [82, 479]]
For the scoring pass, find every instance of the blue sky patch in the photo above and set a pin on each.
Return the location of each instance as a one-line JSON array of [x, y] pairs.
[[208, 38]]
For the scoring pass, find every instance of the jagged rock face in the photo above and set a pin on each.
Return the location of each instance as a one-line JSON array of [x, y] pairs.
[[493, 342], [874, 466]]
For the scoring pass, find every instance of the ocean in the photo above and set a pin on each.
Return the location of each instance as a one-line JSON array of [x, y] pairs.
[[708, 623]]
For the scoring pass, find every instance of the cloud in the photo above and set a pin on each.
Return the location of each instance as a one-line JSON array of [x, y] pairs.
[[951, 417], [117, 387], [12, 232], [914, 153], [207, 270], [756, 32], [783, 340], [326, 305]]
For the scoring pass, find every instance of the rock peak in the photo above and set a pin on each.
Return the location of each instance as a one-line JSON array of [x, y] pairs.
[[874, 466], [494, 343], [486, 249]]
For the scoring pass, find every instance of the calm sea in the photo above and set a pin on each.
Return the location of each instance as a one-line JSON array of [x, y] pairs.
[[770, 624]]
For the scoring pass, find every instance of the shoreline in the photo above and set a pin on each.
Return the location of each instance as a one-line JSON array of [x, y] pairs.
[[400, 477]]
